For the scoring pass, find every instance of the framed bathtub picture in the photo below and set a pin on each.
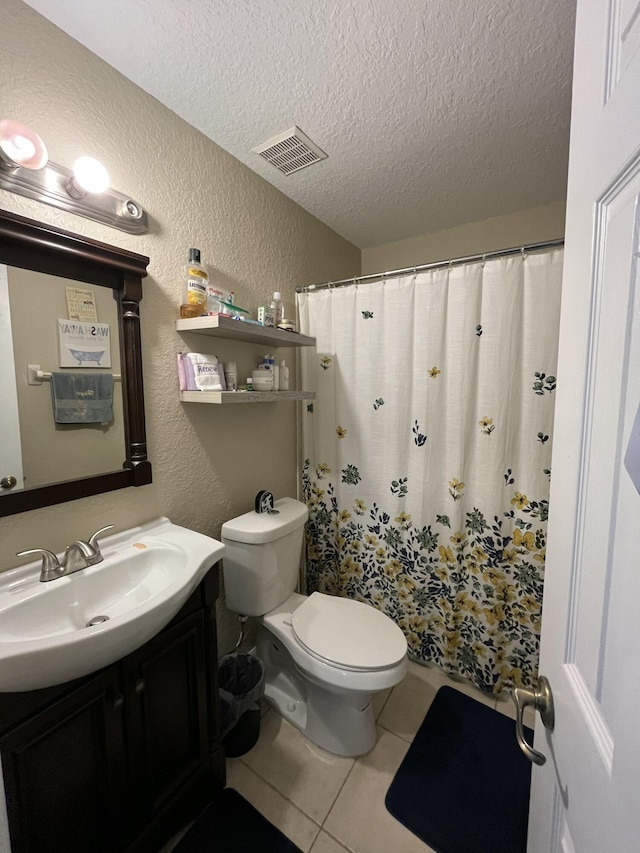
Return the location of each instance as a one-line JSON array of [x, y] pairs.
[[84, 345]]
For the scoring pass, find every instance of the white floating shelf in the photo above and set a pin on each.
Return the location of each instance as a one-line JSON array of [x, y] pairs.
[[237, 330], [230, 397]]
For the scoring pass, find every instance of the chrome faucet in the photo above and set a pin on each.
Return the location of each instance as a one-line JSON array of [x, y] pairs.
[[79, 555], [51, 568]]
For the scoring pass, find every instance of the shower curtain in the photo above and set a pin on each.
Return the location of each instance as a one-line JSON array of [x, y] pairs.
[[427, 455]]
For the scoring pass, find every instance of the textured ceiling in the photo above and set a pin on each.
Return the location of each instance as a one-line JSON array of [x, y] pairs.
[[433, 112]]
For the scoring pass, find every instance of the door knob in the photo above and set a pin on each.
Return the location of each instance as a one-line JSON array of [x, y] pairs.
[[540, 698], [8, 482]]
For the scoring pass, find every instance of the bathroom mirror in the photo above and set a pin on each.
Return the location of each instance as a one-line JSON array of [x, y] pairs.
[[40, 262]]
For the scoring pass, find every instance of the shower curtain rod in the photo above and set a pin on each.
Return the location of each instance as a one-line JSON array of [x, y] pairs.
[[379, 276]]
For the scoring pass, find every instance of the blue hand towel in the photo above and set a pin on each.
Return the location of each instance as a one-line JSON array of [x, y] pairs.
[[82, 398]]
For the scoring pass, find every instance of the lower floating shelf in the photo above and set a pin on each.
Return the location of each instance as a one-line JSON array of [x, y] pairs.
[[226, 397]]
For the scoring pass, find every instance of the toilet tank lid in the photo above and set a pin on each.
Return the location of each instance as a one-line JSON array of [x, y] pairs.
[[255, 528]]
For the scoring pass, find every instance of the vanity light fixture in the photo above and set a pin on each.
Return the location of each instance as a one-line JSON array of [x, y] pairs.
[[21, 146], [83, 190]]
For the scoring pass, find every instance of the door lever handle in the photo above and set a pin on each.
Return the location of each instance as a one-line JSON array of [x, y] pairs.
[[540, 698]]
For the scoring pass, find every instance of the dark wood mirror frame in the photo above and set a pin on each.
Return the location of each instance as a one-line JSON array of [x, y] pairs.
[[33, 245]]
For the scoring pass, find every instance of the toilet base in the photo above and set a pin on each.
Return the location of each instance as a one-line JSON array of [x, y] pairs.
[[340, 721]]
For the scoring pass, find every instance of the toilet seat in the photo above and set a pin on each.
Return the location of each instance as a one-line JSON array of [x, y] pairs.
[[347, 634], [320, 671]]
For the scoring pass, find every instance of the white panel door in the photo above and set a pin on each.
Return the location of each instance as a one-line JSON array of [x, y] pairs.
[[10, 445], [586, 798]]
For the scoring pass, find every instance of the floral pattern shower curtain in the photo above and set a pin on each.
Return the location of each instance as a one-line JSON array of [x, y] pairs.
[[427, 456]]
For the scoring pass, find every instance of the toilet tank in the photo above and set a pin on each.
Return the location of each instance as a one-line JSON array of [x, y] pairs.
[[262, 558]]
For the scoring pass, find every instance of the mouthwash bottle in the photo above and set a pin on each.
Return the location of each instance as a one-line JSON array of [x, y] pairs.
[[194, 301]]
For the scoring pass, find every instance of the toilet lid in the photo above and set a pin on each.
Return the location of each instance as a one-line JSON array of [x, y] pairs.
[[348, 633]]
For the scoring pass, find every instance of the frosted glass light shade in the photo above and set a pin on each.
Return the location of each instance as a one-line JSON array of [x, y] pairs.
[[91, 175], [21, 146]]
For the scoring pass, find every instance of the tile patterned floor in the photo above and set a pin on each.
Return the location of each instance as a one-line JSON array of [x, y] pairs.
[[329, 804]]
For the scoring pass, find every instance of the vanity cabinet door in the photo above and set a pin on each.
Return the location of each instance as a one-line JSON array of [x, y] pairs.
[[166, 721], [64, 773]]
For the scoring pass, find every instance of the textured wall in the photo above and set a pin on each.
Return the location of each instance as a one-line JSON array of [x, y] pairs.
[[208, 461], [500, 232]]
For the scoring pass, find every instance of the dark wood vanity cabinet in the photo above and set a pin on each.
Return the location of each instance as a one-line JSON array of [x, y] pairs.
[[166, 716], [117, 762], [63, 770]]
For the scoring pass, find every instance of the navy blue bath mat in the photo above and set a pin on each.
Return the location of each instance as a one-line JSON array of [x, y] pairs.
[[231, 825], [463, 787]]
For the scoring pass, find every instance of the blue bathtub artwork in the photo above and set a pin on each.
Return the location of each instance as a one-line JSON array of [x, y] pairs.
[[87, 355]]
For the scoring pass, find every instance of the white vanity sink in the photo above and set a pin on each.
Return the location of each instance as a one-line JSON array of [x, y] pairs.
[[147, 574]]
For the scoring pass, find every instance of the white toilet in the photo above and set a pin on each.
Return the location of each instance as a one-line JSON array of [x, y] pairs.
[[324, 656]]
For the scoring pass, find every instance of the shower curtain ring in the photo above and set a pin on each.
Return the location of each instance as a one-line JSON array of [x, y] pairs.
[[523, 253]]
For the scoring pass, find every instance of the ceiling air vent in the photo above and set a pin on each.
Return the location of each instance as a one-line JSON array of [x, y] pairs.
[[290, 151]]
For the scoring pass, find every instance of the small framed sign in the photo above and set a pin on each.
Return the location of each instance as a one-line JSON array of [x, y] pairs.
[[81, 304], [84, 344]]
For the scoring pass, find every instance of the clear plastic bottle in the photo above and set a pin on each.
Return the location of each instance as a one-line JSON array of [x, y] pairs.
[[276, 308], [284, 377], [231, 376], [194, 301]]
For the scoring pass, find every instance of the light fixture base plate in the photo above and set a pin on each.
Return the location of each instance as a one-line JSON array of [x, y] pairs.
[[48, 185]]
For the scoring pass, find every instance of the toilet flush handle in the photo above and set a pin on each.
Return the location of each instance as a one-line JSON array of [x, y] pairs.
[[264, 503]]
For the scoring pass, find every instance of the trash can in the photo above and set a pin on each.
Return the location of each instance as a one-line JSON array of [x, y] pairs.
[[241, 684]]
